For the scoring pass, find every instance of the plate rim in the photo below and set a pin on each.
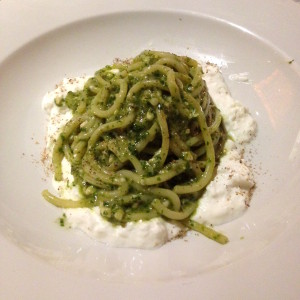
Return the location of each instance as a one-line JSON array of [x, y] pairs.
[[20, 266]]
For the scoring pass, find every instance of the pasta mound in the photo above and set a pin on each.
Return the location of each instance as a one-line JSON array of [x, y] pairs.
[[143, 142]]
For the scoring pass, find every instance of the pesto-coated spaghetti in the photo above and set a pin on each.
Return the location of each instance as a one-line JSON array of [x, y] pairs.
[[143, 142]]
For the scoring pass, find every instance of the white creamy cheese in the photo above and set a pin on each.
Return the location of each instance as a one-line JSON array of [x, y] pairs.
[[240, 77], [141, 234], [228, 195], [225, 198], [238, 122]]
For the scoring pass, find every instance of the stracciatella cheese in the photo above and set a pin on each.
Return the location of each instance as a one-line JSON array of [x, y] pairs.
[[226, 197]]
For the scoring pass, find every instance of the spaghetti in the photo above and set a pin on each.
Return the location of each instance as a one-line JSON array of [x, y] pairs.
[[143, 142]]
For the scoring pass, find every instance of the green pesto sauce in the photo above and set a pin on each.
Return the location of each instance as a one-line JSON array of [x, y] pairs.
[[137, 147]]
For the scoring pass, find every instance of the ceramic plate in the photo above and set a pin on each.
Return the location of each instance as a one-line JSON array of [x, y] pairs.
[[43, 43]]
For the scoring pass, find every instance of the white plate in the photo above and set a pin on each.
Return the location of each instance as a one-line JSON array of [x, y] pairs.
[[44, 43]]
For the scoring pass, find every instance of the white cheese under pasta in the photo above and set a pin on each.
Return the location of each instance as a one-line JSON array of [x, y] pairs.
[[225, 198]]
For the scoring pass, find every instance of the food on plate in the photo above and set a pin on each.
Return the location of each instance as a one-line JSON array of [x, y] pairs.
[[137, 148]]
